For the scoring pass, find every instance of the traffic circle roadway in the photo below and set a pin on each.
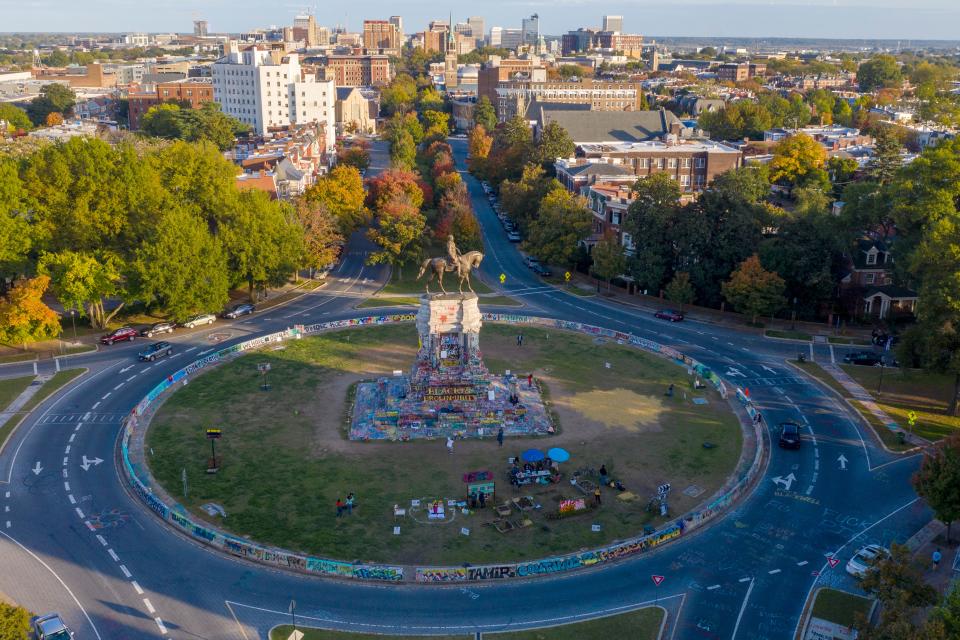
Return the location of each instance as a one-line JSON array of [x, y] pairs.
[[73, 540]]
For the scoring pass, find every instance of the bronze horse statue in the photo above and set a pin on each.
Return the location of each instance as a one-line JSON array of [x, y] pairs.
[[439, 266]]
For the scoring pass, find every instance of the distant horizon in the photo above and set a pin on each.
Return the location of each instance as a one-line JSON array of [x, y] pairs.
[[921, 20]]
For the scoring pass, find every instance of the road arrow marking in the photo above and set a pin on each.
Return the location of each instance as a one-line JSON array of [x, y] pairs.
[[125, 369], [734, 373], [37, 468], [773, 371], [787, 482], [843, 462], [90, 462]]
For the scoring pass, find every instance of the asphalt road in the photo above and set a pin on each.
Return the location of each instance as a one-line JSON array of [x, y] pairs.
[[746, 576]]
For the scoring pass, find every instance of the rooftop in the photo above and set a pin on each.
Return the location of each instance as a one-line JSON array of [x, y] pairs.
[[699, 145]]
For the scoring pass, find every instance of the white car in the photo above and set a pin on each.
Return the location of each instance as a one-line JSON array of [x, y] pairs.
[[862, 560], [200, 320]]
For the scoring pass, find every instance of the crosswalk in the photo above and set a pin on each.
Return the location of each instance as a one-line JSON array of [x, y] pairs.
[[775, 382], [88, 418]]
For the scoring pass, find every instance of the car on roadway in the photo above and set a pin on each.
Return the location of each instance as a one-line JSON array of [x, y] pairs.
[[155, 350], [157, 328], [789, 435], [530, 261], [541, 270], [863, 358], [865, 558], [244, 309], [513, 236], [200, 320], [119, 335], [50, 627], [669, 314]]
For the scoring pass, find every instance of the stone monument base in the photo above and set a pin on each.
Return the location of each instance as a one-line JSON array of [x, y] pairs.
[[449, 391]]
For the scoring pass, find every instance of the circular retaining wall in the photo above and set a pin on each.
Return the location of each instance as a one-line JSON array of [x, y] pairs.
[[141, 482]]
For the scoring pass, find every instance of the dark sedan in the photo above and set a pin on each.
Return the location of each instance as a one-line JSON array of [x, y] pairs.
[[239, 310], [669, 314], [789, 435]]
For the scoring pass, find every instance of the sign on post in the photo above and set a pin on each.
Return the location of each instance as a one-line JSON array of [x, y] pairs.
[[566, 276], [503, 278]]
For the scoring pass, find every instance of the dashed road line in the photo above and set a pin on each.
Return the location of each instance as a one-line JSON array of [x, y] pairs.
[[79, 513], [745, 579], [101, 540], [126, 573], [118, 386], [136, 587], [149, 606], [159, 622], [190, 349], [773, 572], [113, 554], [89, 525], [66, 486], [802, 563], [712, 587], [71, 498], [95, 405], [72, 436], [65, 461], [131, 377], [105, 396], [67, 450]]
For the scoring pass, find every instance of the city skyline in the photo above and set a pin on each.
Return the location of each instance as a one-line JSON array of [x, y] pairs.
[[838, 19]]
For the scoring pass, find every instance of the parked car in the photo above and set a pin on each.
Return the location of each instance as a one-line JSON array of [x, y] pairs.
[[865, 358], [865, 558], [199, 320], [156, 350], [669, 314], [530, 261], [789, 435], [239, 310], [513, 236], [50, 627], [119, 335], [541, 270], [157, 328]]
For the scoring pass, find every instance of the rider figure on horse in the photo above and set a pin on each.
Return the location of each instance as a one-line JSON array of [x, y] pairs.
[[454, 255]]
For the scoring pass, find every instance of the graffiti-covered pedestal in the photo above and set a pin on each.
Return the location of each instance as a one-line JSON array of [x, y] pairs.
[[449, 391]]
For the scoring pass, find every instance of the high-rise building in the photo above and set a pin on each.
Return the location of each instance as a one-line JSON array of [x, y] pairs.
[[511, 38], [380, 34], [531, 30], [323, 36], [254, 89], [359, 71], [496, 36], [397, 21], [476, 28], [200, 28], [613, 23]]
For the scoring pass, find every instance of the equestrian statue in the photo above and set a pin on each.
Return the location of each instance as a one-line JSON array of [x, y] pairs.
[[456, 262]]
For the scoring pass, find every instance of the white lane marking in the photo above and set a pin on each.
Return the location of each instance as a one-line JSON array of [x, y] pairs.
[[8, 524], [67, 450], [190, 349], [136, 587], [203, 353], [159, 622], [7, 494], [773, 572], [72, 436], [64, 473], [118, 386], [745, 579], [149, 606], [65, 461], [113, 554], [86, 416], [95, 404], [743, 608], [59, 579], [712, 587], [802, 564], [126, 572], [79, 513], [66, 486], [102, 540], [106, 395], [131, 377], [72, 499], [77, 428], [89, 525], [816, 464]]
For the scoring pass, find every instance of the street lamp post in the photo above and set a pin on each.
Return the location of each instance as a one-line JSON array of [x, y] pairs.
[[74, 323], [880, 383], [793, 315]]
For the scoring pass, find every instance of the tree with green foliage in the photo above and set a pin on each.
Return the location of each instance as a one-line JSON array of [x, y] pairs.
[[798, 161], [429, 99], [84, 281], [484, 114], [563, 221], [356, 155], [23, 315], [886, 160], [938, 480], [609, 260], [53, 98], [438, 124], [170, 120], [742, 119], [754, 291], [16, 232], [321, 234], [680, 290], [397, 232], [399, 96], [15, 117], [341, 194], [879, 72], [841, 171], [403, 151], [649, 221], [14, 622], [554, 142], [181, 267], [521, 198]]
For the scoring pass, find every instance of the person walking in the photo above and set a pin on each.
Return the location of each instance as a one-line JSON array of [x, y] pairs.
[[449, 444], [937, 557], [349, 504], [529, 380], [483, 499], [519, 339], [340, 506], [500, 437], [596, 496]]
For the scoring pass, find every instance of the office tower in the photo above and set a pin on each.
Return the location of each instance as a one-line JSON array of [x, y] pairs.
[[613, 23], [476, 27], [200, 28], [530, 31], [397, 21]]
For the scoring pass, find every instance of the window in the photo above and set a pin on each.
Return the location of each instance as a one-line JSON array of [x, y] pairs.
[[701, 163], [615, 217], [871, 257], [686, 163], [643, 163], [869, 278], [672, 163]]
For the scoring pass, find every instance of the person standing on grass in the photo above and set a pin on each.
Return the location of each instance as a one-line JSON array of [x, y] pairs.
[[500, 437], [350, 503], [519, 339], [937, 557], [340, 506], [596, 496], [449, 444]]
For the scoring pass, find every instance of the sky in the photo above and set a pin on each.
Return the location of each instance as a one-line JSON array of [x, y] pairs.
[[849, 19]]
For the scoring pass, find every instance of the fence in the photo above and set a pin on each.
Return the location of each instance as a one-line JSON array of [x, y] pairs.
[[141, 481]]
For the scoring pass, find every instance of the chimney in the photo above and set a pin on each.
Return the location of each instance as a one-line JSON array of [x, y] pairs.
[[675, 127]]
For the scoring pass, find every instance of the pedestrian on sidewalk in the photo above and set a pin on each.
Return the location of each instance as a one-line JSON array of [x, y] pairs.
[[937, 557], [500, 437], [449, 444], [340, 507]]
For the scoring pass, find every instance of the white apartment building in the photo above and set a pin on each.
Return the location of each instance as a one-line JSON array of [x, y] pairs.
[[252, 88]]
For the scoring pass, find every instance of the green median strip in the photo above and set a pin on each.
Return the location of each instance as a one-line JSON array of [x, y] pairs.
[[788, 335], [59, 380], [11, 388], [840, 607], [643, 624]]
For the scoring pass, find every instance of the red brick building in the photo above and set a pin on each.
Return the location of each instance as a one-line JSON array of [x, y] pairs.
[[194, 91], [359, 71]]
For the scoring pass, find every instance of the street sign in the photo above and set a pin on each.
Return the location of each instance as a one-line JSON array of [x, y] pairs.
[[566, 276], [912, 418], [503, 278], [214, 434], [833, 562], [657, 580]]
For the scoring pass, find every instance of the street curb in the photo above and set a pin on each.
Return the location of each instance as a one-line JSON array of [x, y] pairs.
[[16, 362], [24, 416], [808, 609], [856, 411]]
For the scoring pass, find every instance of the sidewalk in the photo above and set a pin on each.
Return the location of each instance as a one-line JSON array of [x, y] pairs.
[[922, 545], [23, 398]]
